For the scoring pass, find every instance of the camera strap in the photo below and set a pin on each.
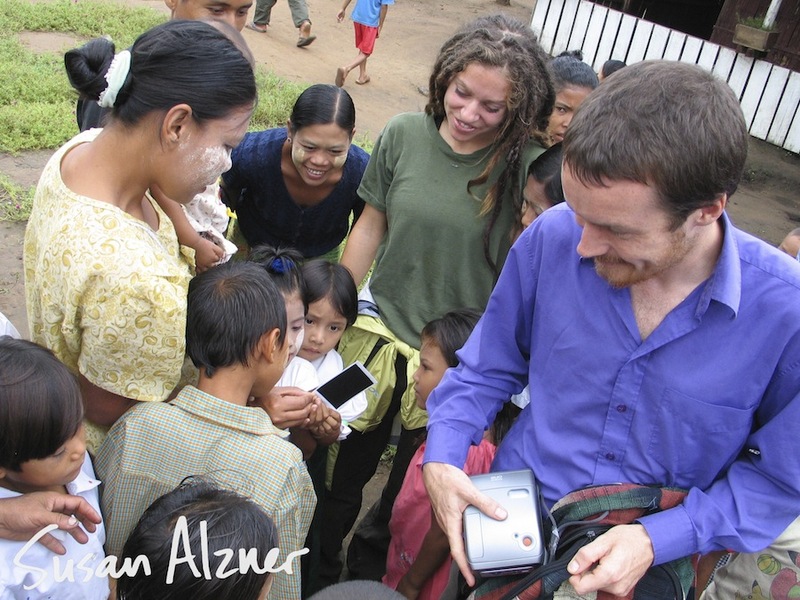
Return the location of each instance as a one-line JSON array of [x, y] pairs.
[[578, 519]]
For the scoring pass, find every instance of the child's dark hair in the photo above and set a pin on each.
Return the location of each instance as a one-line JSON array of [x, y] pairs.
[[40, 403], [333, 281], [233, 521], [284, 267], [322, 104], [359, 589], [229, 308], [546, 169], [568, 68], [173, 63], [611, 66], [450, 332]]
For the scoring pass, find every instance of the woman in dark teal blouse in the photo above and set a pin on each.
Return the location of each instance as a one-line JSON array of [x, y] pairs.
[[296, 186]]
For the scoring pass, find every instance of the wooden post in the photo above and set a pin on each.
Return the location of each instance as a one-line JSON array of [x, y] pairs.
[[772, 13]]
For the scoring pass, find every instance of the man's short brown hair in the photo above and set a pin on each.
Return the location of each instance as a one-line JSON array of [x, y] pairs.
[[666, 124]]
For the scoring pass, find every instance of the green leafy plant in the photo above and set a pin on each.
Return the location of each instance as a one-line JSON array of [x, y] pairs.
[[756, 22]]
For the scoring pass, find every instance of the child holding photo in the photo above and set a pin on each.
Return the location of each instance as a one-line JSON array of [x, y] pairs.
[[332, 300], [292, 404]]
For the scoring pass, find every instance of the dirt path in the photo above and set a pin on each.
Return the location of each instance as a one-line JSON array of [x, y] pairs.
[[767, 203], [413, 32]]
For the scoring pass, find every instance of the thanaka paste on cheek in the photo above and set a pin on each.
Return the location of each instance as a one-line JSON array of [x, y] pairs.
[[298, 342], [298, 156], [210, 163]]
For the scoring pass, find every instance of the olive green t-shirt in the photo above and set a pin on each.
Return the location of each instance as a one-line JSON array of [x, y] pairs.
[[431, 260]]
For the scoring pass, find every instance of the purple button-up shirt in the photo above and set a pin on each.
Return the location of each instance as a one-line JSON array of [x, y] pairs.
[[708, 402]]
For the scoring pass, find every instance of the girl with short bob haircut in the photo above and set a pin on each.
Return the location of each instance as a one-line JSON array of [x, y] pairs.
[[42, 449], [332, 282], [296, 186], [105, 277], [332, 300]]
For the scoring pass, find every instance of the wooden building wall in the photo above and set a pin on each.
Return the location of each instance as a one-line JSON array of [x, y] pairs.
[[786, 51], [769, 94]]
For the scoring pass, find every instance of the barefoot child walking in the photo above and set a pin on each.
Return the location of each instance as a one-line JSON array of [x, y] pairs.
[[368, 17]]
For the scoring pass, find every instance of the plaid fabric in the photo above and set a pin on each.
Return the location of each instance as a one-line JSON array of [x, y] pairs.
[[156, 445], [609, 505]]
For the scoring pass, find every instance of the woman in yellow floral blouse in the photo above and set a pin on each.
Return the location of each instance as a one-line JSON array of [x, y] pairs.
[[105, 277]]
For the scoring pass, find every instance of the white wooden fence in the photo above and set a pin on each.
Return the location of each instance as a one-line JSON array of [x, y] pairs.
[[769, 94]]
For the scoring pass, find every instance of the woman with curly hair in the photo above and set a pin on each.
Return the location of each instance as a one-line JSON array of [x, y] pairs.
[[443, 194]]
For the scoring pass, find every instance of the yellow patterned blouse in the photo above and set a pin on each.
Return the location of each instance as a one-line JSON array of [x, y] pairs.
[[104, 291]]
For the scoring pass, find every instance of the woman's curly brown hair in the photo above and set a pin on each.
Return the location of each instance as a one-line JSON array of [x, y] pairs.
[[506, 43]]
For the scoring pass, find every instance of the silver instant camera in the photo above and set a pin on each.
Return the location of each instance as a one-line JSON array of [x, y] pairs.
[[515, 544]]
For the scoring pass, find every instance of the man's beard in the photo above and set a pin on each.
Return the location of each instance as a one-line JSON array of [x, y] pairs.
[[621, 274]]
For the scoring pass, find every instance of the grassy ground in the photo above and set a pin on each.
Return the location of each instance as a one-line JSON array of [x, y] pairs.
[[37, 103], [15, 201]]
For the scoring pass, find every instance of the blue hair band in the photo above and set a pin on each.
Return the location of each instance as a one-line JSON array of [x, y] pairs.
[[280, 265]]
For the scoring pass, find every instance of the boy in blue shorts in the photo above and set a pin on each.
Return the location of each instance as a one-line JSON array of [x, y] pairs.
[[368, 17]]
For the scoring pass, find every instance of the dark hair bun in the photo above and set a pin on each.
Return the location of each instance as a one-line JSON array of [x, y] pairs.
[[87, 66]]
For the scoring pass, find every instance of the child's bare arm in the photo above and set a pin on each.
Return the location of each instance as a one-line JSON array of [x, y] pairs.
[[432, 554], [207, 253], [384, 10], [303, 439], [341, 13]]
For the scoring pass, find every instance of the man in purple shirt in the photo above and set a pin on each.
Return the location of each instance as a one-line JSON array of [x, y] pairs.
[[661, 344]]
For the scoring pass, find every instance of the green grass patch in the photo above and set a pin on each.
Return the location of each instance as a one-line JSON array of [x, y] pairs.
[[87, 18], [757, 22], [15, 202], [276, 97], [37, 103]]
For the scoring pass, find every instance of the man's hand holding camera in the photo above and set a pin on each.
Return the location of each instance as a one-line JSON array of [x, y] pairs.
[[451, 491], [614, 562]]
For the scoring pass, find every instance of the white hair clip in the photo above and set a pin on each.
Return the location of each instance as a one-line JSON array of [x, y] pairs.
[[115, 76]]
